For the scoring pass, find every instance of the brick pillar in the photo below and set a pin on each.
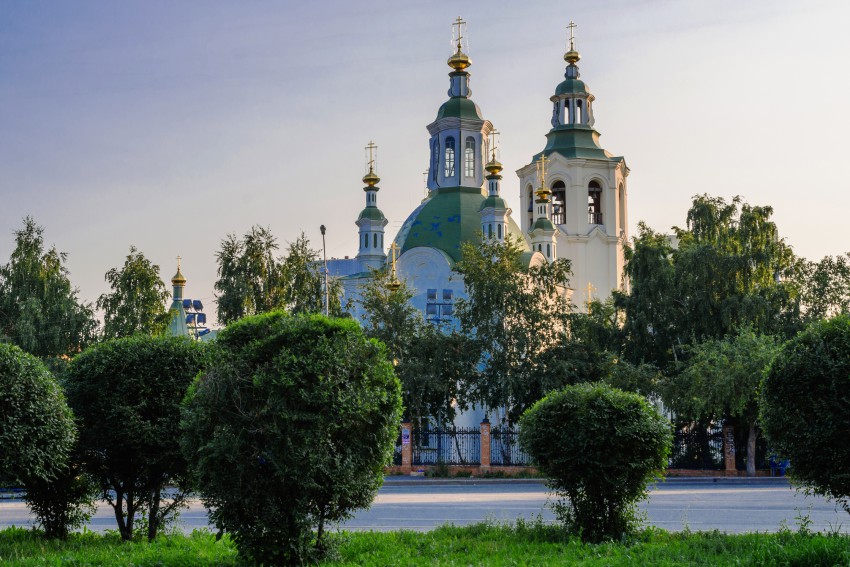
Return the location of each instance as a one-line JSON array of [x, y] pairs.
[[485, 445], [406, 447], [729, 450]]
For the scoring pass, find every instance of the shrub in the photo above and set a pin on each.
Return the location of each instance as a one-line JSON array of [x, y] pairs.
[[126, 394], [65, 502], [290, 428], [805, 408], [36, 426], [600, 447]]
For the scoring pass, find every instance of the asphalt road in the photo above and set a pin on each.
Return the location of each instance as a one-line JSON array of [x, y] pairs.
[[733, 505]]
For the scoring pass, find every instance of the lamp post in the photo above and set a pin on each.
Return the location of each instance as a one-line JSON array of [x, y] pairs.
[[325, 257]]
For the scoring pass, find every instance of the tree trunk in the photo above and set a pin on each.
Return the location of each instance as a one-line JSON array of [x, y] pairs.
[[751, 450], [118, 506], [153, 514]]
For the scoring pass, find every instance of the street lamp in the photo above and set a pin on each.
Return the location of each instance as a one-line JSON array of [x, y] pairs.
[[325, 256]]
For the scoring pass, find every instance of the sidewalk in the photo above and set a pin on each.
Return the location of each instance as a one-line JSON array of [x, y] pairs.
[[403, 480]]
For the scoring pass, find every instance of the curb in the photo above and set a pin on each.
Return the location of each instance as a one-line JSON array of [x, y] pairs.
[[419, 481]]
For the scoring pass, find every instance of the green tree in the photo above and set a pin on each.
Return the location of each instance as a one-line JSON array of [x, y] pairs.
[[721, 380], [126, 394], [514, 312], [599, 447], [805, 408], [824, 287], [252, 280], [730, 270], [289, 429], [39, 309], [36, 426], [137, 303]]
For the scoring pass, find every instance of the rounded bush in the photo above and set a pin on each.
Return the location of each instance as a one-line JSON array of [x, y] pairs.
[[290, 428], [805, 408], [600, 447], [36, 426]]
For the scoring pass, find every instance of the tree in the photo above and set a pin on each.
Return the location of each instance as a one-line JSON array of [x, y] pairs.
[[721, 380], [513, 313], [252, 280], [138, 298], [430, 362], [39, 309], [289, 429], [728, 272], [126, 394], [36, 426], [824, 287], [805, 408], [599, 447]]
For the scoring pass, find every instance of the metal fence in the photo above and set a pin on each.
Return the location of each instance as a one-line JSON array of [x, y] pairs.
[[449, 446], [504, 448], [697, 447]]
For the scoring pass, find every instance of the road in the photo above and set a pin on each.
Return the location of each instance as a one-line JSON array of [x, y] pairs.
[[732, 506]]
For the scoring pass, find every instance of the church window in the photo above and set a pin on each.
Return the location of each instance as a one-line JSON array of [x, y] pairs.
[[499, 230], [490, 231], [431, 309], [469, 158], [530, 205], [578, 112], [548, 250], [622, 198], [432, 295], [447, 310], [559, 198], [450, 157], [447, 295], [594, 203], [375, 240]]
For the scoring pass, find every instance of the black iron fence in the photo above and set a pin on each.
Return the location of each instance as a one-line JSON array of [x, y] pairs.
[[697, 446], [449, 446], [505, 450]]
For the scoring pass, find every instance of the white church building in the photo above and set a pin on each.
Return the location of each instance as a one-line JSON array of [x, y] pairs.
[[573, 201]]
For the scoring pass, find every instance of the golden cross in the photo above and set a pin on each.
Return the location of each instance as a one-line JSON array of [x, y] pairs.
[[590, 289], [572, 28], [372, 148], [393, 284], [459, 22], [493, 134], [178, 263], [541, 170]]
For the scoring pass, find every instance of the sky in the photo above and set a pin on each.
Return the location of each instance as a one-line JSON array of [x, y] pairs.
[[169, 125]]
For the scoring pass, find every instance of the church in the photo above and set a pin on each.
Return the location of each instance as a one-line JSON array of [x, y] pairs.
[[573, 201]]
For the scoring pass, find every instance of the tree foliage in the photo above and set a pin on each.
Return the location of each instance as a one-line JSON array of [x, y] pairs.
[[513, 313], [599, 447], [728, 272], [126, 394], [252, 280], [721, 380], [36, 426], [805, 408], [430, 362], [137, 303], [289, 429], [824, 287], [39, 309]]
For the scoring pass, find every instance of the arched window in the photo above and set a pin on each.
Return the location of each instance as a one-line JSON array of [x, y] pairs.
[[469, 158], [375, 240], [530, 194], [490, 230], [578, 112], [450, 157], [594, 203], [365, 241], [622, 198], [548, 250], [559, 202], [499, 230]]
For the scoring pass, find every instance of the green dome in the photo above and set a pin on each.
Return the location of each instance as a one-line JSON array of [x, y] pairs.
[[493, 202], [543, 223], [371, 213], [459, 107], [449, 218], [571, 86]]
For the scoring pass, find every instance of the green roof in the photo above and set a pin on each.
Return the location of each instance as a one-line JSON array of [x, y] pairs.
[[574, 141], [449, 218], [493, 202], [543, 223], [571, 86], [371, 213], [459, 107]]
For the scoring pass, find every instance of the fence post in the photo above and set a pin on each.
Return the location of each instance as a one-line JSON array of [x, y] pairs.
[[485, 445], [406, 447], [729, 450]]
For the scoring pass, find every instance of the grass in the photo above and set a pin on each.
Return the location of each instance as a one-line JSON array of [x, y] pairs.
[[523, 543]]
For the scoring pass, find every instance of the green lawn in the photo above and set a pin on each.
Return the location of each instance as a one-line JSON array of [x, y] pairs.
[[482, 544]]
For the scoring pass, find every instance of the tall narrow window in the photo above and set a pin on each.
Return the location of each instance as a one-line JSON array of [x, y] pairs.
[[530, 206], [559, 198], [469, 158], [375, 240], [594, 203], [450, 157], [578, 112], [499, 230]]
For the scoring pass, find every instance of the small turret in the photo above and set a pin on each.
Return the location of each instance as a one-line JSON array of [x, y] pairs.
[[371, 221], [177, 325], [542, 230], [494, 210]]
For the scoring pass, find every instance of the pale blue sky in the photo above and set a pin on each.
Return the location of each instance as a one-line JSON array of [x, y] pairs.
[[167, 125]]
